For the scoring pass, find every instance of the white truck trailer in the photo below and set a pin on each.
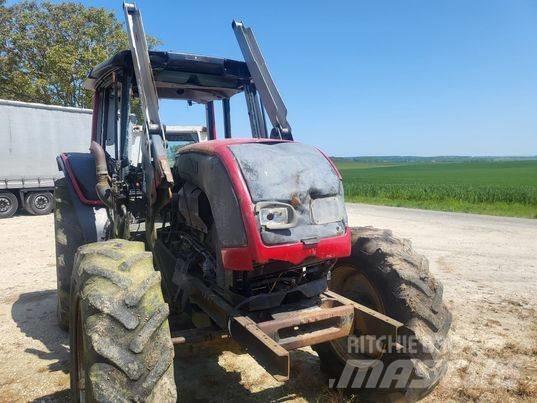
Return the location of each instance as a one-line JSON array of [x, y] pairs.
[[31, 136]]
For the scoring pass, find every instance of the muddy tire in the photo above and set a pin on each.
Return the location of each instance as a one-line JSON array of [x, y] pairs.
[[120, 342], [385, 274], [68, 237]]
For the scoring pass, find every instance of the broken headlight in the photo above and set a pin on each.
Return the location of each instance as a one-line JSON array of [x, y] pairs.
[[327, 210], [276, 215]]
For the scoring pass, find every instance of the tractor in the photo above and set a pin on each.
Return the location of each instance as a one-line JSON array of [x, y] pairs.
[[246, 237]]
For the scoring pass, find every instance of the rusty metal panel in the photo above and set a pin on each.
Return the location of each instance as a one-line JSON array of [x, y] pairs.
[[269, 342], [198, 335], [314, 337], [273, 357], [305, 317], [368, 321], [310, 327]]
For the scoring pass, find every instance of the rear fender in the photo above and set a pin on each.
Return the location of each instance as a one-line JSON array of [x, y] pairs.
[[79, 172]]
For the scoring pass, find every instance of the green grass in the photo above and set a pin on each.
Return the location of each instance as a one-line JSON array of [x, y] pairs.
[[486, 187]]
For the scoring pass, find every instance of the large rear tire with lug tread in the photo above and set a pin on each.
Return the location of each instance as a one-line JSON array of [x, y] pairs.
[[385, 274], [121, 348], [68, 237]]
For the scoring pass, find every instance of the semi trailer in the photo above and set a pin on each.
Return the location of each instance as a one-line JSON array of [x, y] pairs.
[[31, 137]]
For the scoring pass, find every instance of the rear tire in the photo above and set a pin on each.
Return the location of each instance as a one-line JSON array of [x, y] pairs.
[[385, 274], [39, 203], [9, 204], [120, 342], [68, 237]]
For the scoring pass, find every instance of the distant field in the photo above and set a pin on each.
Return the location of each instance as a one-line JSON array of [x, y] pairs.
[[488, 187]]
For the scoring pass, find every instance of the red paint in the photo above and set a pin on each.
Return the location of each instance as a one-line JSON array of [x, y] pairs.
[[75, 184], [256, 252], [237, 258], [242, 258], [334, 167]]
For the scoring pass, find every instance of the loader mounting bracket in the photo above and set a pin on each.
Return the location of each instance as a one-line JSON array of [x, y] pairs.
[[270, 341]]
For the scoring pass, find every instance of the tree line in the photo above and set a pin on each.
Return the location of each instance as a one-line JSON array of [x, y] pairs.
[[47, 50]]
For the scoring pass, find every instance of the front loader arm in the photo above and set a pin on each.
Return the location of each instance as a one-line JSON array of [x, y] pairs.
[[270, 97], [158, 179]]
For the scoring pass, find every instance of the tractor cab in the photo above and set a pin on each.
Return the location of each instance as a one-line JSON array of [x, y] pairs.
[[136, 80], [266, 198], [196, 80]]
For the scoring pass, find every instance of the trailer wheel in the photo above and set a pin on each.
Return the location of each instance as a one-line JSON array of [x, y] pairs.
[[39, 203], [8, 204], [121, 348], [68, 237], [385, 274]]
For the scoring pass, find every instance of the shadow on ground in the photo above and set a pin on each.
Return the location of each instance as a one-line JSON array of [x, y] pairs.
[[35, 315], [204, 374], [56, 397], [217, 371]]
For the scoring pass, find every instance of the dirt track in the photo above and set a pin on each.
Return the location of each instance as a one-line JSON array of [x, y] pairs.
[[488, 266]]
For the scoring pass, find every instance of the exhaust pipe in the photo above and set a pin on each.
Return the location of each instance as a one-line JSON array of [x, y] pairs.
[[101, 170]]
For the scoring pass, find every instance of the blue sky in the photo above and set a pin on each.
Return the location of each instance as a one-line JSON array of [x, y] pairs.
[[378, 77]]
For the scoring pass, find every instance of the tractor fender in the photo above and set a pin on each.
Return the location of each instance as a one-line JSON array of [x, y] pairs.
[[79, 172]]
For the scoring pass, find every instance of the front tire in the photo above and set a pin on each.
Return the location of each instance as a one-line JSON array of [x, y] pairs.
[[385, 274], [120, 342]]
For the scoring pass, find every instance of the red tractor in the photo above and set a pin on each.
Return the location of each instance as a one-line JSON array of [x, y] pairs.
[[246, 237]]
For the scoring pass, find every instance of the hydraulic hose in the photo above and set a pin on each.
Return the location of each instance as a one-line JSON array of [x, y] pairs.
[[101, 171]]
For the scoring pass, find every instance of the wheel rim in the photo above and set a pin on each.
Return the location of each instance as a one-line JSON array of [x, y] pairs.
[[351, 283], [80, 375], [5, 204], [41, 202]]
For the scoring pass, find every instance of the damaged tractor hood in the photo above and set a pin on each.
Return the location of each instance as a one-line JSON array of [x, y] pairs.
[[301, 176], [279, 171]]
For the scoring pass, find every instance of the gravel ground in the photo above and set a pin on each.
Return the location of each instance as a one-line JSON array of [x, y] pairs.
[[488, 266]]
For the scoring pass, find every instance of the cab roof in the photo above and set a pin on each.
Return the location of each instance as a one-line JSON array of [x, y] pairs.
[[180, 75]]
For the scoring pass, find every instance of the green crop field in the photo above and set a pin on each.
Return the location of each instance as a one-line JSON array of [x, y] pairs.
[[479, 186]]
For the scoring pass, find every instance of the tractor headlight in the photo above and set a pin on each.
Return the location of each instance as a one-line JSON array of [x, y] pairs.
[[327, 210], [275, 215]]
